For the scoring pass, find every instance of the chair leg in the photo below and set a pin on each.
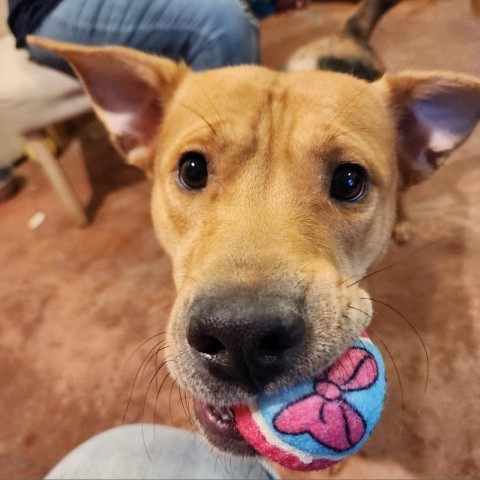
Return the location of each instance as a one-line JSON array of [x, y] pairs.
[[57, 177]]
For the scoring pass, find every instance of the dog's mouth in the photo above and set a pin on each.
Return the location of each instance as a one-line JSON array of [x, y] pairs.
[[218, 425]]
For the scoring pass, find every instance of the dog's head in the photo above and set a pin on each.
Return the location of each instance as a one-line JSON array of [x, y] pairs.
[[273, 194]]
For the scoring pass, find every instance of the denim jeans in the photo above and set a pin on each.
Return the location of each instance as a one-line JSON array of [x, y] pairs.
[[144, 452], [204, 33]]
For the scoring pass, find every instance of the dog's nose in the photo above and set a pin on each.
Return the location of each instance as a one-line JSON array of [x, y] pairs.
[[250, 342]]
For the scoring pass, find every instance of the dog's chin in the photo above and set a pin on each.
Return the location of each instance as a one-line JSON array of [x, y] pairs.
[[218, 426]]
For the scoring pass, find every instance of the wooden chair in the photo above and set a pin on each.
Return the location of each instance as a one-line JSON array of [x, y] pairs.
[[32, 99]]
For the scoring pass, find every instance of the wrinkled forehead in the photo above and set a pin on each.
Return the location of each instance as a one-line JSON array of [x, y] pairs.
[[316, 110]]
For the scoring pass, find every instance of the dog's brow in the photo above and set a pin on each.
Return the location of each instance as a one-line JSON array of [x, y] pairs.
[[209, 100], [199, 115], [339, 133], [358, 94]]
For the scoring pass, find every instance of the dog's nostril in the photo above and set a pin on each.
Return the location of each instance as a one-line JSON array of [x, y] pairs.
[[209, 345], [278, 340], [273, 345]]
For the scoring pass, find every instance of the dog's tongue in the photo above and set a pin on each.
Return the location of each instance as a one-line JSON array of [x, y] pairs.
[[317, 422]]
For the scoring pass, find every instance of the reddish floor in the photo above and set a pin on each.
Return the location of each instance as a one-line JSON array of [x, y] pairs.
[[75, 304]]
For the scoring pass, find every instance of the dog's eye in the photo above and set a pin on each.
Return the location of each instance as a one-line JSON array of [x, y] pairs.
[[193, 171], [349, 183]]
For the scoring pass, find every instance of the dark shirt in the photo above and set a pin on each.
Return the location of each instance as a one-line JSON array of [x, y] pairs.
[[24, 16]]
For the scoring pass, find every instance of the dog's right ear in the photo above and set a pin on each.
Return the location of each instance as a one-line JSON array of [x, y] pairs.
[[129, 91], [435, 113]]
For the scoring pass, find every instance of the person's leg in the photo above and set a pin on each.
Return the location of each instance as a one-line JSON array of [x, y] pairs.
[[204, 33], [133, 451]]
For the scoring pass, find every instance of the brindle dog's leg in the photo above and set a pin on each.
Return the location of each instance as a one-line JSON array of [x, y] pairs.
[[403, 229], [363, 21]]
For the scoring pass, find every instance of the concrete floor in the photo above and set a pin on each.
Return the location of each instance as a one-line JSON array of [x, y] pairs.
[[75, 304]]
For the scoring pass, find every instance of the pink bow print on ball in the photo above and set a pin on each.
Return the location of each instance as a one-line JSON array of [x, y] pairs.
[[325, 414]]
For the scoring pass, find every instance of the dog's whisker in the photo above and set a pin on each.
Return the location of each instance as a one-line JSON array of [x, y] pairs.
[[184, 402], [147, 359], [135, 380], [152, 356], [144, 407], [199, 115], [353, 130], [209, 101], [397, 371], [188, 414], [342, 364], [145, 443], [368, 316], [364, 277], [414, 329], [190, 278], [164, 362], [399, 379], [189, 409], [334, 134], [361, 311], [143, 429], [306, 265], [216, 462], [174, 382], [364, 346], [348, 103], [148, 355], [156, 401], [211, 452], [179, 391], [184, 408], [214, 452], [156, 364], [157, 369], [229, 469], [141, 345], [184, 396]]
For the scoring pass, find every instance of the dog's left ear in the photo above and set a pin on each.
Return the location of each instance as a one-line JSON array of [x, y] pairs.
[[435, 113], [130, 91]]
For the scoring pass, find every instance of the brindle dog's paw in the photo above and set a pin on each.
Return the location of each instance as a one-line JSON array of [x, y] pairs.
[[403, 232]]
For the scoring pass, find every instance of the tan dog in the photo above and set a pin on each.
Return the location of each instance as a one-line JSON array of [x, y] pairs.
[[273, 194]]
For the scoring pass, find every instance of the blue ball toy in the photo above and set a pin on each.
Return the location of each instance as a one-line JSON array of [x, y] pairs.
[[318, 422]]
